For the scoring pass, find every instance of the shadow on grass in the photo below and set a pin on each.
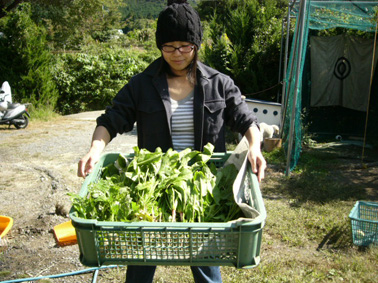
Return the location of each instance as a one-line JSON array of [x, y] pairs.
[[327, 174], [322, 187], [338, 238]]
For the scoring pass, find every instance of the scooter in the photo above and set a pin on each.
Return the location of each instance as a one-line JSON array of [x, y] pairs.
[[12, 113]]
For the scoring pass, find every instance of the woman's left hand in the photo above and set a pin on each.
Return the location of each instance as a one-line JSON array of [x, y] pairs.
[[255, 156], [257, 161]]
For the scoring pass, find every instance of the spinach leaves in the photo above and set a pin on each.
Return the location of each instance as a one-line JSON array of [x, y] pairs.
[[163, 187]]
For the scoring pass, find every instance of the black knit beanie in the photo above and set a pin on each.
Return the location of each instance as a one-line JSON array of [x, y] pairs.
[[178, 22]]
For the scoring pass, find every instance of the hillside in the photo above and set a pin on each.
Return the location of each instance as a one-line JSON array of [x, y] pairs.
[[144, 9]]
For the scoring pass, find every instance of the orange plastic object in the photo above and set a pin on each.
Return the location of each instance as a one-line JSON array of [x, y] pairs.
[[65, 234], [6, 224]]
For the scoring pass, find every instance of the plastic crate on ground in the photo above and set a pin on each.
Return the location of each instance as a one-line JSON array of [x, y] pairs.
[[364, 221], [165, 243]]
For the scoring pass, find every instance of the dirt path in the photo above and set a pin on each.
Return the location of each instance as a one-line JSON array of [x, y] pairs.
[[37, 170]]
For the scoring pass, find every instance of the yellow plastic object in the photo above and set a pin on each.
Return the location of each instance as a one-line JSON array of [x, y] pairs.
[[6, 224], [65, 234]]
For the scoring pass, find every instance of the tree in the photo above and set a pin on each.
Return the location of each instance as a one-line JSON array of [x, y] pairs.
[[207, 9], [7, 6], [244, 41], [26, 63], [70, 22]]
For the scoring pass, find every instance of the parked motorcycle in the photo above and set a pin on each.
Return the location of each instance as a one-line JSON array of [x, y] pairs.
[[12, 113]]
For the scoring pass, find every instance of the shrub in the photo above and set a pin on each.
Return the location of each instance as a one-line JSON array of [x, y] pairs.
[[89, 81]]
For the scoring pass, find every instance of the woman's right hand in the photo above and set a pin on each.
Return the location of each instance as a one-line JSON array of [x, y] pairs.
[[100, 139], [87, 163]]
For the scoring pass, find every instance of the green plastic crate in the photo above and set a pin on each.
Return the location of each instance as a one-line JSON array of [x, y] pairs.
[[165, 243], [364, 221]]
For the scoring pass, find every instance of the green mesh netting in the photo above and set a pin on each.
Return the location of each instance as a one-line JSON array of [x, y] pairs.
[[326, 14], [317, 15]]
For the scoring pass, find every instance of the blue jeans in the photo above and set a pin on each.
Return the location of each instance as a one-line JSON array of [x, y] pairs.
[[145, 274]]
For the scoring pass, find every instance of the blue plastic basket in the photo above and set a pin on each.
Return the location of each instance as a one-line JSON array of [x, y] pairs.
[[364, 220]]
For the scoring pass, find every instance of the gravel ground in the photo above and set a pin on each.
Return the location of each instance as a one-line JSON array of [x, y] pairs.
[[37, 170]]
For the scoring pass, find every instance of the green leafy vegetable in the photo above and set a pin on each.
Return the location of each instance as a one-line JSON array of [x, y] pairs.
[[157, 186]]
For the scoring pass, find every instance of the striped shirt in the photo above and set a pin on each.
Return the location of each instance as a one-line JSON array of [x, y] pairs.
[[182, 123]]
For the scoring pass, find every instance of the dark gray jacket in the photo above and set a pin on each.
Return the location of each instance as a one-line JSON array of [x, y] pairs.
[[145, 100]]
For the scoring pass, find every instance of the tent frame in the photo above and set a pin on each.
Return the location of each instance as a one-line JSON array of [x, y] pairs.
[[298, 41]]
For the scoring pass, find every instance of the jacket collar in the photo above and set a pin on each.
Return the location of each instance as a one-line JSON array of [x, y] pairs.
[[153, 69], [206, 72]]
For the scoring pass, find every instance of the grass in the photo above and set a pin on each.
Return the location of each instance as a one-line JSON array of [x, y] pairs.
[[308, 218], [42, 114], [4, 273]]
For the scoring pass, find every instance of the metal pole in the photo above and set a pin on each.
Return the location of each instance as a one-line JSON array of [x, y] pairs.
[[280, 66], [283, 97], [290, 75], [302, 16], [371, 83]]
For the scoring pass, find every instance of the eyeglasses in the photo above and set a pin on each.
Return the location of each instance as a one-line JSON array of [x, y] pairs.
[[182, 49]]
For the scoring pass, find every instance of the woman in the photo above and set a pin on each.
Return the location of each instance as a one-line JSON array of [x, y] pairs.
[[177, 102]]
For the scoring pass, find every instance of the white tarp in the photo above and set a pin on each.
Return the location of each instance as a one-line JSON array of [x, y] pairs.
[[241, 186], [350, 91]]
